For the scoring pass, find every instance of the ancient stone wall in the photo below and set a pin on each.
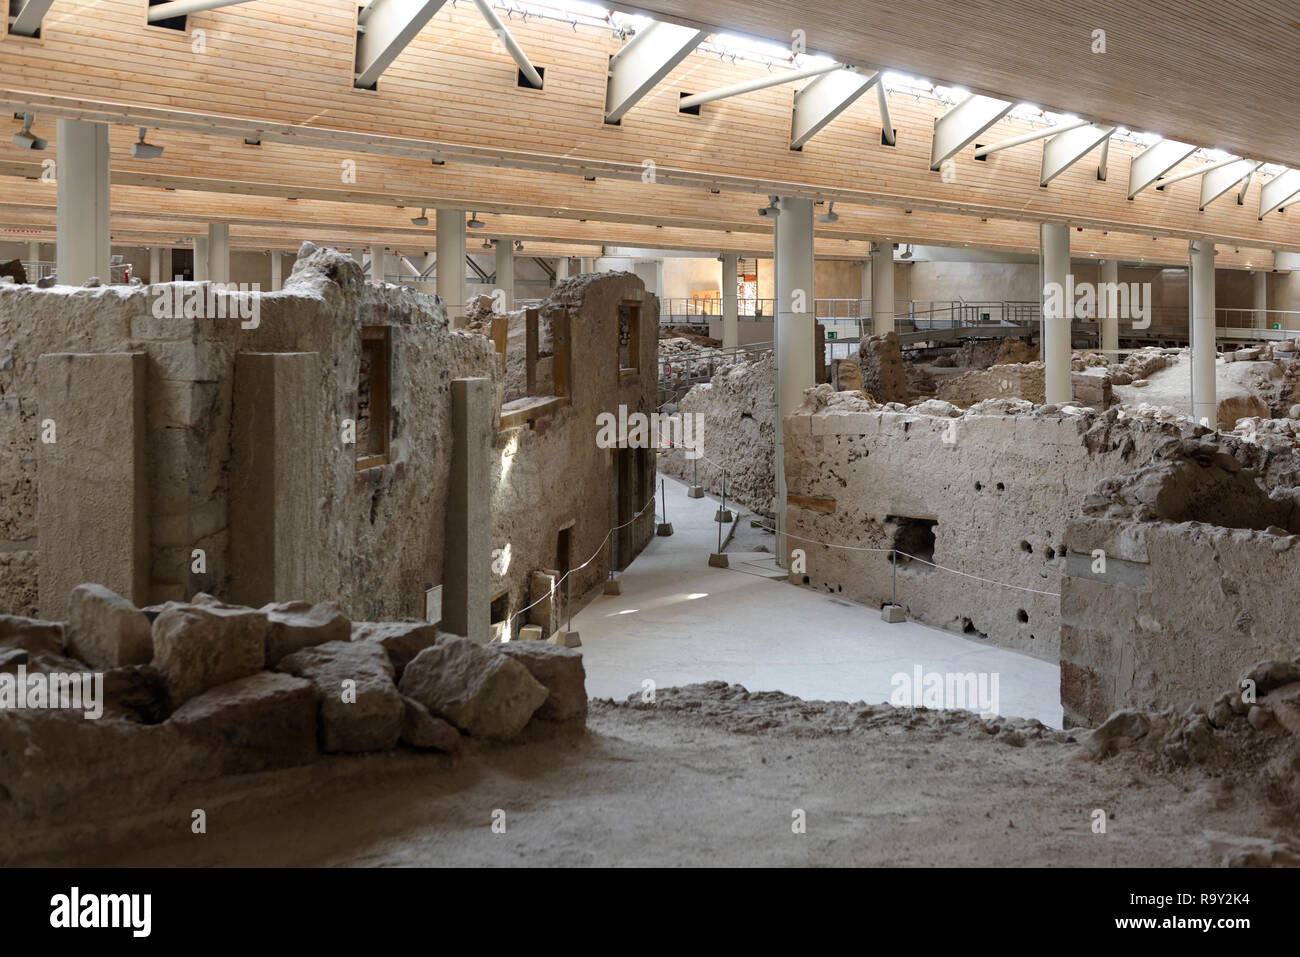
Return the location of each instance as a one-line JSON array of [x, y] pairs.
[[370, 539], [988, 493]]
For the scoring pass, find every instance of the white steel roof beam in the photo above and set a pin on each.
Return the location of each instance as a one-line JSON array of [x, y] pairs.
[[384, 28], [506, 37], [1278, 191], [1195, 171], [887, 133], [824, 99], [1218, 181], [1068, 147], [761, 83], [27, 22], [960, 125], [643, 62], [183, 8], [983, 151], [1153, 162]]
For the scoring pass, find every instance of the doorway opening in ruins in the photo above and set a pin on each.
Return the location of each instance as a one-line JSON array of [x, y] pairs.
[[563, 550], [624, 507], [914, 538], [500, 616]]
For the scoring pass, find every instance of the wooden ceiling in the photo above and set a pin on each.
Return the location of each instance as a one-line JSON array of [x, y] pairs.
[[280, 71], [1216, 73]]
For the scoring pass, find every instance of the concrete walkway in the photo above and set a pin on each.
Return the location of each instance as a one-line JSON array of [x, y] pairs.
[[679, 621]]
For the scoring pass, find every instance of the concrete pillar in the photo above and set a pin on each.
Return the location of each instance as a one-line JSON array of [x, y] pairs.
[[219, 252], [794, 341], [168, 267], [83, 245], [660, 283], [273, 469], [1205, 407], [451, 265], [864, 293], [882, 288], [588, 264], [730, 305], [1109, 323], [562, 268], [1056, 309], [505, 252], [155, 265], [34, 252], [1261, 298], [467, 546], [277, 270], [201, 259], [92, 517], [376, 271]]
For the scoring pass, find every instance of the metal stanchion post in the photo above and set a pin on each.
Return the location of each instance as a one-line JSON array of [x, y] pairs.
[[665, 527], [696, 490], [893, 612]]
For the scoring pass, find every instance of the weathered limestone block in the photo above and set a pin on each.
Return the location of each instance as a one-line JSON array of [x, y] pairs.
[[292, 625], [197, 647], [264, 721], [482, 692], [881, 360], [848, 375], [403, 640], [31, 634], [562, 673], [360, 709], [93, 510], [136, 693], [107, 631], [422, 730]]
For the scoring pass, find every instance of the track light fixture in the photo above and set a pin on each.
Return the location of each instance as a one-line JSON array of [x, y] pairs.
[[422, 219], [771, 209], [145, 151], [474, 222], [829, 216], [26, 139]]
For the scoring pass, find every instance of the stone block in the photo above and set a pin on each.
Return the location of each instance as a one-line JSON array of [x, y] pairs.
[[107, 631], [482, 692], [562, 673], [403, 640], [422, 730], [293, 625], [199, 646], [263, 721], [360, 709], [31, 634], [274, 464], [93, 510]]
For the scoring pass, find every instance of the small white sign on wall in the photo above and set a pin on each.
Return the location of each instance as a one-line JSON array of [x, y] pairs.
[[433, 604]]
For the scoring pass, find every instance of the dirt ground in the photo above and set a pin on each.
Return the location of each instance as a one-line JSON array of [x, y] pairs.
[[713, 775]]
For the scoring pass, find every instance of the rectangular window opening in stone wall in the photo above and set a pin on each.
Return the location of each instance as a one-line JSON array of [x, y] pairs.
[[374, 396], [629, 337], [914, 538]]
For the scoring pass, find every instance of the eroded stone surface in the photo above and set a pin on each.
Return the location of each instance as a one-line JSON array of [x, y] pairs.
[[106, 630], [403, 640], [480, 691], [560, 670], [263, 721], [360, 709], [291, 625], [197, 647]]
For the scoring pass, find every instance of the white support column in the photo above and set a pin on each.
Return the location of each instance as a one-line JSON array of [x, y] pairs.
[[1261, 298], [730, 303], [588, 264], [34, 252], [219, 252], [277, 270], [505, 250], [451, 264], [429, 270], [82, 220], [155, 265], [1056, 309], [200, 258], [1109, 323], [562, 269], [882, 288], [377, 272], [1205, 406], [794, 340]]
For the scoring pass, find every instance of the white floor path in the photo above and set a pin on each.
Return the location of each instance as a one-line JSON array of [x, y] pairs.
[[679, 621]]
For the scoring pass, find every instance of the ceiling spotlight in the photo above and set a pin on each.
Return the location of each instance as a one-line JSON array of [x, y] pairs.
[[590, 177], [906, 253], [422, 219], [474, 222], [487, 244], [26, 139], [145, 151], [829, 216], [771, 209], [519, 246]]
